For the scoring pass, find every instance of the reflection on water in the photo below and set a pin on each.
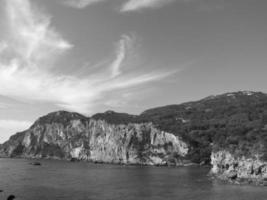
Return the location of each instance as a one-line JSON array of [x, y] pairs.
[[64, 180]]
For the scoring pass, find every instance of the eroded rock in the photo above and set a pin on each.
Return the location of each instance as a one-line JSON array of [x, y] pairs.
[[98, 141], [239, 169]]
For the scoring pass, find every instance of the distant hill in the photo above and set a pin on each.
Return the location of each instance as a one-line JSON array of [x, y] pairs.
[[116, 118]]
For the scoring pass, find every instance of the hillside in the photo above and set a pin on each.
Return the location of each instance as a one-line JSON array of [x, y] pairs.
[[231, 121], [229, 131]]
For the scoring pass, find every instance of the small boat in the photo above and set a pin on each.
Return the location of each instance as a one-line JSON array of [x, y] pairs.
[[36, 163]]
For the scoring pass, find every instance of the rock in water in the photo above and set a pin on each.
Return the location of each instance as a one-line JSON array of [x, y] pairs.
[[11, 197], [36, 163], [230, 167]]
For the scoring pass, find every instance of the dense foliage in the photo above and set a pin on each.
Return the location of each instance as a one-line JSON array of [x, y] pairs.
[[62, 117], [116, 118]]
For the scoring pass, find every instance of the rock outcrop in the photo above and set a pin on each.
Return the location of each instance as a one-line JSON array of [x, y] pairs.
[[229, 167], [75, 137]]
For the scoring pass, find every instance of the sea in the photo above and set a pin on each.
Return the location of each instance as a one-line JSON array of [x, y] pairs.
[[63, 180]]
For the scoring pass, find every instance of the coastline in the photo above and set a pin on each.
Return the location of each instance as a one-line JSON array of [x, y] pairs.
[[223, 177]]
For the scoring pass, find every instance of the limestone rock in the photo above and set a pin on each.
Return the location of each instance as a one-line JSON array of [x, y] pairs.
[[72, 137], [226, 166]]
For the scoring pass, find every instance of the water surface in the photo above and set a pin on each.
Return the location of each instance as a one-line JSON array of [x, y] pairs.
[[58, 180]]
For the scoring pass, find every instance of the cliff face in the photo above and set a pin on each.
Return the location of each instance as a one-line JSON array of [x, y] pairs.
[[229, 167], [134, 144], [98, 141]]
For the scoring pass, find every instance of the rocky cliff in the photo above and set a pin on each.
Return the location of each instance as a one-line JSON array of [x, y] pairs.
[[229, 167], [63, 135]]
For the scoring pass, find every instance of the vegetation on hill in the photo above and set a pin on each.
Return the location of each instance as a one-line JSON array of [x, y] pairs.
[[236, 122], [116, 118], [62, 117]]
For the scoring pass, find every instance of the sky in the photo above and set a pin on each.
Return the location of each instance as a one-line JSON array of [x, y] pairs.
[[90, 56]]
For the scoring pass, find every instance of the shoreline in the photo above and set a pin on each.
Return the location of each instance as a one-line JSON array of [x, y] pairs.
[[262, 182], [108, 163]]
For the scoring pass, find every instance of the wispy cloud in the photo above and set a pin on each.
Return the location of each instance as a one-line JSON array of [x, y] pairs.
[[28, 56], [124, 46], [8, 127], [80, 3], [135, 5], [31, 35], [129, 5]]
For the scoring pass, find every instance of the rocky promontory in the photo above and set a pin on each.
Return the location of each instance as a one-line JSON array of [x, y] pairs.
[[75, 137], [229, 167]]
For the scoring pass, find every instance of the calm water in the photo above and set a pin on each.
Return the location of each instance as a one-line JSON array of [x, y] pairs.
[[56, 180]]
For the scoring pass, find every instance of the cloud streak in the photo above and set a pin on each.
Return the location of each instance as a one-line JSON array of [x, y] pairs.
[[80, 4], [127, 6], [124, 46], [136, 5], [29, 53], [31, 36]]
